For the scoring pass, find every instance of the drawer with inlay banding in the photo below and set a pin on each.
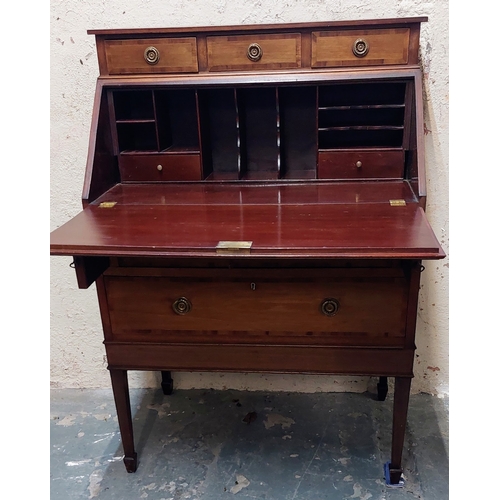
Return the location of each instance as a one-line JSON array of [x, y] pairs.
[[342, 310]]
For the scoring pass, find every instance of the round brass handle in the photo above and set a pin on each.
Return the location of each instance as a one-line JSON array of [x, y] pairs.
[[360, 47], [181, 306], [330, 307], [159, 168], [359, 164], [152, 55], [254, 52]]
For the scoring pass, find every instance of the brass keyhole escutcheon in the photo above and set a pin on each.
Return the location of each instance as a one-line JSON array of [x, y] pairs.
[[152, 55], [181, 306], [254, 52], [360, 47], [330, 307]]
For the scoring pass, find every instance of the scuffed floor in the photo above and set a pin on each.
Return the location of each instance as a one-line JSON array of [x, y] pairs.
[[216, 445]]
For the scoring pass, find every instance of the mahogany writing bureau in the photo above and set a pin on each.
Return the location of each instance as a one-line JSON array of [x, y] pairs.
[[254, 201]]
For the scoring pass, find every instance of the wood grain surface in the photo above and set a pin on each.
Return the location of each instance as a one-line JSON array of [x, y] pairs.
[[323, 229]]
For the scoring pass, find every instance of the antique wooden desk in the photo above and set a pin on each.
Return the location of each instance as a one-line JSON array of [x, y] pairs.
[[254, 201]]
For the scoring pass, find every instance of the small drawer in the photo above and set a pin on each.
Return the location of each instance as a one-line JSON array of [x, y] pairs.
[[361, 164], [357, 311], [155, 55], [360, 47], [254, 52], [159, 167]]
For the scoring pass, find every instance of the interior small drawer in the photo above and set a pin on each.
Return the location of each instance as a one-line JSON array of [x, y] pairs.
[[361, 164], [339, 311], [155, 55], [159, 167], [360, 47], [254, 52]]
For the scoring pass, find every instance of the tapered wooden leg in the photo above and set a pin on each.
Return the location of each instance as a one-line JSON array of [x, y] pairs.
[[382, 389], [401, 399], [121, 394], [167, 383]]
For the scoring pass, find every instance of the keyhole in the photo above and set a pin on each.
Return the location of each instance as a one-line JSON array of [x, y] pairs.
[[252, 286]]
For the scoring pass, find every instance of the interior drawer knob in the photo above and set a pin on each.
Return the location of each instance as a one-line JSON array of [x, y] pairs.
[[152, 55], [359, 164], [181, 306], [330, 307], [360, 47], [254, 52]]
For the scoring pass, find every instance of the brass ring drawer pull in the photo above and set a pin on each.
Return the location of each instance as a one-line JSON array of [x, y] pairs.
[[330, 307], [181, 306], [360, 47], [152, 55], [254, 52]]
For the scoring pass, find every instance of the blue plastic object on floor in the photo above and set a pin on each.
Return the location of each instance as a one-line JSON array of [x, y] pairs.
[[388, 477]]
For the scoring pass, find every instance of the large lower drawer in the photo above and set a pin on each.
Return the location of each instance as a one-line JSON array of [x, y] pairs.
[[330, 311], [254, 52]]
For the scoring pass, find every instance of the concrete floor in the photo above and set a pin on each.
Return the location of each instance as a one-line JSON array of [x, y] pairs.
[[195, 445]]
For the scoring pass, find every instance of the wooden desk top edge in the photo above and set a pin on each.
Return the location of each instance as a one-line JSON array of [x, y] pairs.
[[361, 23]]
